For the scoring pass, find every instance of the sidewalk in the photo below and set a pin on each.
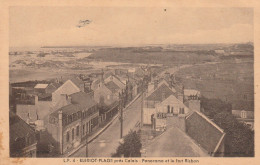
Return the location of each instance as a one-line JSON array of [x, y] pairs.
[[98, 131]]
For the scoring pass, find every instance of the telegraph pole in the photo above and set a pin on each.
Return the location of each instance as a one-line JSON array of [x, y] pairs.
[[121, 114], [142, 108], [142, 102], [86, 143]]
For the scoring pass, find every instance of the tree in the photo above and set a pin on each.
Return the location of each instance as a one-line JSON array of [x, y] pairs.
[[239, 140], [214, 106], [239, 137], [130, 147]]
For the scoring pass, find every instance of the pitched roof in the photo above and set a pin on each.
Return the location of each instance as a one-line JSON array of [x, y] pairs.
[[174, 143], [172, 98], [204, 131], [80, 101], [160, 93], [68, 88], [26, 112], [112, 86], [19, 128], [83, 99], [77, 81], [41, 86]]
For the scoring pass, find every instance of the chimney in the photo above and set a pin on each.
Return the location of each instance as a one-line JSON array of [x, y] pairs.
[[69, 99], [180, 97], [60, 132], [182, 122]]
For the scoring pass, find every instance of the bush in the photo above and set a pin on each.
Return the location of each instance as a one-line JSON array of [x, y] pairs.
[[130, 147], [239, 137]]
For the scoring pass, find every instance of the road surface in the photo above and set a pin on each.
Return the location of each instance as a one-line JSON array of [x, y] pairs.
[[106, 143]]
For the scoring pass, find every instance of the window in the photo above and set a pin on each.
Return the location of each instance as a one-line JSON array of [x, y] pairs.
[[73, 134], [83, 129], [168, 108], [77, 131], [68, 136], [243, 114], [181, 111], [172, 110], [87, 129]]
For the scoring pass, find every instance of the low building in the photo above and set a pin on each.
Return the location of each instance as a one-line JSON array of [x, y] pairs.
[[244, 116], [41, 88], [23, 141]]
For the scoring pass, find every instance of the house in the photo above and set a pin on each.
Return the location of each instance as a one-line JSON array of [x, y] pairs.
[[67, 88], [41, 108], [245, 116], [69, 124], [36, 113], [23, 141], [116, 80], [152, 98], [107, 94], [169, 107], [75, 80], [205, 133], [100, 78]]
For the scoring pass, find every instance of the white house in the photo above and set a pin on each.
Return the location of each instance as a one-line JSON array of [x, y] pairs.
[[169, 107]]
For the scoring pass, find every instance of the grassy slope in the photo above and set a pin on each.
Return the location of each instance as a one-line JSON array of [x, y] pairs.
[[132, 55]]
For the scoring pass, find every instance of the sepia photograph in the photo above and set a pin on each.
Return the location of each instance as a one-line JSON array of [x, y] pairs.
[[131, 82]]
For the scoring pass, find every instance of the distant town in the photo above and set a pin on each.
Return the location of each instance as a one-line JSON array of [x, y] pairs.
[[189, 100]]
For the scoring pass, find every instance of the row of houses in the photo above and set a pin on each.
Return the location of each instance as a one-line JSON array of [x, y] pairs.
[[68, 109], [174, 110]]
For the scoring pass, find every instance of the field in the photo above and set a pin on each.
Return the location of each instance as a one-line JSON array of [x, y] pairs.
[[230, 82], [154, 56]]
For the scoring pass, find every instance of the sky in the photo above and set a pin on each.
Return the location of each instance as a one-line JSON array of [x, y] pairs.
[[57, 26]]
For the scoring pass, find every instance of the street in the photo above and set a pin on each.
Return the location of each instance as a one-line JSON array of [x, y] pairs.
[[106, 143]]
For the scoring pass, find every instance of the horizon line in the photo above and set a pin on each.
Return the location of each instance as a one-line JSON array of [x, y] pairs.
[[125, 45]]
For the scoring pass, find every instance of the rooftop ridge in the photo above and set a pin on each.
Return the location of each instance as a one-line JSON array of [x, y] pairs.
[[211, 122]]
